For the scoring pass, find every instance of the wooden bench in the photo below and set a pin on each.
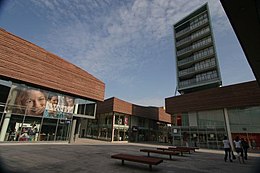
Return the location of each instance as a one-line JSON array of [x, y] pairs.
[[173, 149], [140, 159], [194, 148], [190, 148], [170, 153], [180, 149]]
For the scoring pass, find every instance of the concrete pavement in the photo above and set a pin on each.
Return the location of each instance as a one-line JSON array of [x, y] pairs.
[[94, 157]]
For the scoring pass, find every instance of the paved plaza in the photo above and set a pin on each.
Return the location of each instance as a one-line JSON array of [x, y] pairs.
[[96, 158]]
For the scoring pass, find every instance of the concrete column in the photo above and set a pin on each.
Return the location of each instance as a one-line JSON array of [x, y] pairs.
[[5, 126], [78, 129], [76, 106], [113, 130], [74, 122], [228, 128]]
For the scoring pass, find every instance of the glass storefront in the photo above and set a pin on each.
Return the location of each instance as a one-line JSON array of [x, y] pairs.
[[245, 123], [206, 129], [121, 126], [99, 128], [198, 137], [32, 114]]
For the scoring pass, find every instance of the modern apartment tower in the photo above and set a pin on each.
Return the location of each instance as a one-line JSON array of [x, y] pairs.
[[196, 58]]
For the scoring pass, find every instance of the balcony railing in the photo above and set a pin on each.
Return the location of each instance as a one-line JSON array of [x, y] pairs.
[[193, 47], [187, 71], [193, 36], [186, 60], [194, 69], [189, 28], [194, 58], [182, 31], [183, 51], [196, 25], [194, 82], [185, 40]]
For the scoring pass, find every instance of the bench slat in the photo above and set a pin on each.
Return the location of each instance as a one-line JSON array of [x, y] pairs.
[[141, 159], [168, 152]]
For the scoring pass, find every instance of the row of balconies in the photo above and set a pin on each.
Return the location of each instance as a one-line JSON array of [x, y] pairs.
[[192, 37], [194, 69], [183, 41], [184, 51], [193, 47], [194, 82], [191, 28], [194, 58]]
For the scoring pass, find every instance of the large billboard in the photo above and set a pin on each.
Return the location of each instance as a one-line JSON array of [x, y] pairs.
[[59, 106], [36, 102]]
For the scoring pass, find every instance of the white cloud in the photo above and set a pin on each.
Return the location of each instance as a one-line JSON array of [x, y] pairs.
[[109, 38], [141, 24]]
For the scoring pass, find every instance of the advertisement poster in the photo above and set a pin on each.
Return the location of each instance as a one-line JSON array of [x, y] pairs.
[[59, 106], [29, 101]]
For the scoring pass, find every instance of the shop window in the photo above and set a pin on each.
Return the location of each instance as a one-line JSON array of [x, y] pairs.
[[119, 120], [48, 129], [179, 121], [85, 107], [141, 122], [4, 91]]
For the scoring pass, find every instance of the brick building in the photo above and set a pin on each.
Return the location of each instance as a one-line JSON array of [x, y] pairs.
[[118, 120], [42, 96], [202, 118]]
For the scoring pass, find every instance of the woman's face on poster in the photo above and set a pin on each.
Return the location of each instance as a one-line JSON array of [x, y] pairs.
[[70, 101], [54, 100], [36, 102]]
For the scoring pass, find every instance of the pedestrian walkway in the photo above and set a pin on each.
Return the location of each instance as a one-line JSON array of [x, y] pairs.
[[88, 141], [95, 156]]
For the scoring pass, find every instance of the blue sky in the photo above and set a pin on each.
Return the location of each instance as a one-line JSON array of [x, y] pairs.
[[128, 44]]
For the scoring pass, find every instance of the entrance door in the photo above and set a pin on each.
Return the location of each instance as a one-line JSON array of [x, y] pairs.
[[63, 130], [121, 134], [48, 129]]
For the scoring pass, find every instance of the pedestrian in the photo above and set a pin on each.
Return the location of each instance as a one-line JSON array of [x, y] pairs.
[[239, 150], [253, 144], [227, 149], [245, 147]]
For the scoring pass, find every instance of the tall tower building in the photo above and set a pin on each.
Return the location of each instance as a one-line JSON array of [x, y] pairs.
[[196, 58]]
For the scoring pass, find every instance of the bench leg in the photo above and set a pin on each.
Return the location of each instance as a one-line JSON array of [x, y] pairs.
[[150, 167], [148, 154], [123, 162], [170, 156]]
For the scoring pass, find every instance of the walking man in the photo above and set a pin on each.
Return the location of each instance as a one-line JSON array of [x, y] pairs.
[[227, 149]]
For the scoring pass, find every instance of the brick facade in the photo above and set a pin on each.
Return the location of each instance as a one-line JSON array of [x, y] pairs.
[[239, 95], [26, 62], [116, 105]]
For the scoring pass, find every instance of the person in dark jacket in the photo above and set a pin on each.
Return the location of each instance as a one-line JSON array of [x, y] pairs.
[[245, 147]]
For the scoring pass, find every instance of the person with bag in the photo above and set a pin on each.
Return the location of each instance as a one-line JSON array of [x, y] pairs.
[[227, 149]]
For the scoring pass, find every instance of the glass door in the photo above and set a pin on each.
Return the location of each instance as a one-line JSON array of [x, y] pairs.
[[63, 130], [48, 129]]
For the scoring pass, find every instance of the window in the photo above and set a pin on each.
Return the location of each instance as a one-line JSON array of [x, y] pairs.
[[85, 107]]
